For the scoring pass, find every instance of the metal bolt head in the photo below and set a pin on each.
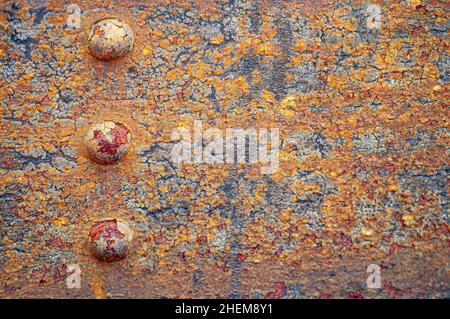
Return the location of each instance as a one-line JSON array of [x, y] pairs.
[[110, 39], [108, 141], [110, 240]]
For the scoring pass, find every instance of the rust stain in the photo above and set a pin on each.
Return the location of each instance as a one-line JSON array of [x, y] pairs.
[[362, 110]]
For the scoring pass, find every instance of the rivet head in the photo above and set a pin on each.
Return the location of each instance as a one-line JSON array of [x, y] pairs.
[[110, 240], [108, 141], [110, 39]]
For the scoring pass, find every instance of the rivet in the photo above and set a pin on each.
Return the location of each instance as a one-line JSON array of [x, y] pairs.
[[108, 141], [110, 39], [110, 240]]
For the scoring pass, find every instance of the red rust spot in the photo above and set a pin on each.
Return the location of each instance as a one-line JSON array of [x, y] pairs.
[[280, 291], [392, 291], [325, 296], [355, 294], [99, 31], [109, 232], [119, 137], [421, 7], [105, 228]]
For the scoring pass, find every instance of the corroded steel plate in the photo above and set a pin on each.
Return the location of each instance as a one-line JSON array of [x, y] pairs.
[[355, 208]]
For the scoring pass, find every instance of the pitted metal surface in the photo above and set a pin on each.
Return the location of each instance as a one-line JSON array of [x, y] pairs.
[[358, 90]]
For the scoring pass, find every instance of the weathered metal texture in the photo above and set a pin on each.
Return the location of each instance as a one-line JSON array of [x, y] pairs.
[[363, 178]]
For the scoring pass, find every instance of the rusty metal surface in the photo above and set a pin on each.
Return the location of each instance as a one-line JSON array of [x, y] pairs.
[[363, 175]]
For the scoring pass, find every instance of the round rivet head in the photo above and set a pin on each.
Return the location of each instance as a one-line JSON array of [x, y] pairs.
[[110, 39], [108, 141], [110, 240]]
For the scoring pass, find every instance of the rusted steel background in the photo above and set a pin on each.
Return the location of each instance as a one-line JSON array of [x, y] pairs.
[[363, 178]]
